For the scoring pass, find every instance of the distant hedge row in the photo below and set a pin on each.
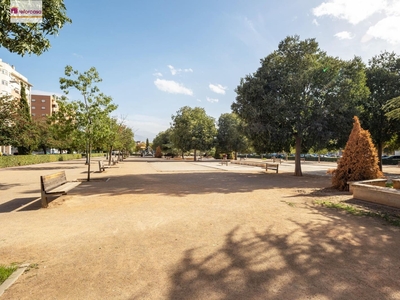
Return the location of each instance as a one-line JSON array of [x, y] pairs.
[[23, 160]]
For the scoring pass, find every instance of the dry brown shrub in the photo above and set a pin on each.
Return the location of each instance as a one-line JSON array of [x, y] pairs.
[[359, 161], [158, 153]]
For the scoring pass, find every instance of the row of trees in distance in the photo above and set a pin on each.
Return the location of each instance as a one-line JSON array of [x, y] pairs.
[[80, 125], [299, 98]]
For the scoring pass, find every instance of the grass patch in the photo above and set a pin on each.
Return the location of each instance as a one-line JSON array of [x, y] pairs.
[[6, 271], [289, 203], [389, 185], [392, 220]]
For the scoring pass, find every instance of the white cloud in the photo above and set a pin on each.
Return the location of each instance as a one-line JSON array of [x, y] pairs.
[[211, 100], [145, 126], [177, 71], [172, 87], [219, 89], [198, 100], [387, 29], [77, 55], [353, 11], [344, 35], [315, 22], [157, 74]]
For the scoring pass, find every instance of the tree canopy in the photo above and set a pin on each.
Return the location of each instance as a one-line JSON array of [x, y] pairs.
[[383, 81], [192, 128], [31, 38], [298, 97], [230, 137]]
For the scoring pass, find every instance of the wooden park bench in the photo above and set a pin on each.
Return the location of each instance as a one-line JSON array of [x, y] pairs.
[[269, 166], [274, 160], [224, 161], [102, 166], [55, 184]]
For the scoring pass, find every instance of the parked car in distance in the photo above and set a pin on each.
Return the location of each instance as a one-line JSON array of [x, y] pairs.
[[392, 157]]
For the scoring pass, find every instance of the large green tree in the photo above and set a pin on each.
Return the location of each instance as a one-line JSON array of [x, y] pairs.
[[230, 137], [8, 115], [193, 129], [32, 38], [163, 140], [27, 134], [64, 127], [298, 97], [93, 111], [383, 81]]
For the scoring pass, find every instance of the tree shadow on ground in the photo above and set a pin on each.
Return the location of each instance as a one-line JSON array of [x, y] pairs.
[[17, 203], [182, 184], [338, 257], [322, 192], [8, 186]]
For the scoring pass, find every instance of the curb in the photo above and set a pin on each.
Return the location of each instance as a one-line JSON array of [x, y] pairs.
[[13, 278]]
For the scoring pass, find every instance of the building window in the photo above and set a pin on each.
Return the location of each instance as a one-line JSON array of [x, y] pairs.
[[43, 100], [43, 115], [33, 114], [33, 107], [33, 100], [4, 82], [43, 107], [4, 71]]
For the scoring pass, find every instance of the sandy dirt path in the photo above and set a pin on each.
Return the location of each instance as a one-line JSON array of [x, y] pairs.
[[153, 231]]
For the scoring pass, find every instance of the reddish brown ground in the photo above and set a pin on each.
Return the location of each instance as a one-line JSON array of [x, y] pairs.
[[195, 233]]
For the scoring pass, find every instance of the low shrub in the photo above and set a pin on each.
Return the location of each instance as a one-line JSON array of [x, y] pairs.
[[24, 160]]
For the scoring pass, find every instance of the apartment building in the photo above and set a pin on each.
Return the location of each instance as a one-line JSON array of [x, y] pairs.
[[11, 80], [10, 85], [43, 105]]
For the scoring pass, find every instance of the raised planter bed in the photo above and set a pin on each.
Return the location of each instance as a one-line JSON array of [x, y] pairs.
[[376, 191]]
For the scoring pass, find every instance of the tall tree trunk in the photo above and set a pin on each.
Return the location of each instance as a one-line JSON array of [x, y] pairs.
[[88, 156], [236, 155], [109, 153], [194, 154], [297, 163], [183, 155], [380, 150]]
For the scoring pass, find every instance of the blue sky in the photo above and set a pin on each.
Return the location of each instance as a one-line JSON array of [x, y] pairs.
[[156, 56]]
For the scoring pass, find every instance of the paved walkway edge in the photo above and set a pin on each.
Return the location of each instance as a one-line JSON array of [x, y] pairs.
[[13, 278]]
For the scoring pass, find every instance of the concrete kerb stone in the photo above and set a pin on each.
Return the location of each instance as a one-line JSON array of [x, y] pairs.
[[13, 278]]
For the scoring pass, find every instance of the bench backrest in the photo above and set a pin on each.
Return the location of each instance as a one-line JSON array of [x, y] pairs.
[[53, 180]]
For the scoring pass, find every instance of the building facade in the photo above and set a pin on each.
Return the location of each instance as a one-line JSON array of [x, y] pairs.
[[10, 85], [43, 105]]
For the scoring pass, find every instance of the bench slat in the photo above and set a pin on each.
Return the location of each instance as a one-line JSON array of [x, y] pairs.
[[63, 188], [53, 180]]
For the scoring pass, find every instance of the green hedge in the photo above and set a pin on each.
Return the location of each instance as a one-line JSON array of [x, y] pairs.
[[23, 160]]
